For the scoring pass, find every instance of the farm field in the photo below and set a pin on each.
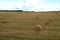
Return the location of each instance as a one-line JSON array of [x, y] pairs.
[[19, 26]]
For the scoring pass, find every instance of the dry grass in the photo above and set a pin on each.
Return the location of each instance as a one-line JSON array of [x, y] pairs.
[[19, 26]]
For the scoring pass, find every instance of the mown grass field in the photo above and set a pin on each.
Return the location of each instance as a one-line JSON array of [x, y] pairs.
[[19, 26]]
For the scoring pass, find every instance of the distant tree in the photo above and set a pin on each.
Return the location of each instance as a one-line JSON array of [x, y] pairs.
[[20, 10]]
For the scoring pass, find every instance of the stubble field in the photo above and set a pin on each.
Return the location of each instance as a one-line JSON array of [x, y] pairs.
[[20, 25]]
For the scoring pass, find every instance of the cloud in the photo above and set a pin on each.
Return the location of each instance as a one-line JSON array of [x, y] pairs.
[[11, 6], [33, 2], [30, 5], [40, 5]]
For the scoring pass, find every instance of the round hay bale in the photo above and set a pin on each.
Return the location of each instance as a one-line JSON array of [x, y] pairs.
[[37, 28], [37, 17], [4, 21], [48, 23], [50, 20]]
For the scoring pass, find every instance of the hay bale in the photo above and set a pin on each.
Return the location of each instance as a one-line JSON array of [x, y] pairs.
[[50, 20], [37, 28], [4, 21], [37, 17], [48, 23]]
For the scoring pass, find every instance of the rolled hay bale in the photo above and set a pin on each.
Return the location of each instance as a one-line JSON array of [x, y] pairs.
[[50, 20], [48, 23], [4, 21], [37, 28], [37, 17]]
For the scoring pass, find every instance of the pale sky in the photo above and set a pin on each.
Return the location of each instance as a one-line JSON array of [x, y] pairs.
[[30, 5]]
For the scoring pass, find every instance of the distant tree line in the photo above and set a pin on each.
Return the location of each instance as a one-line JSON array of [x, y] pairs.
[[22, 11], [11, 10]]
